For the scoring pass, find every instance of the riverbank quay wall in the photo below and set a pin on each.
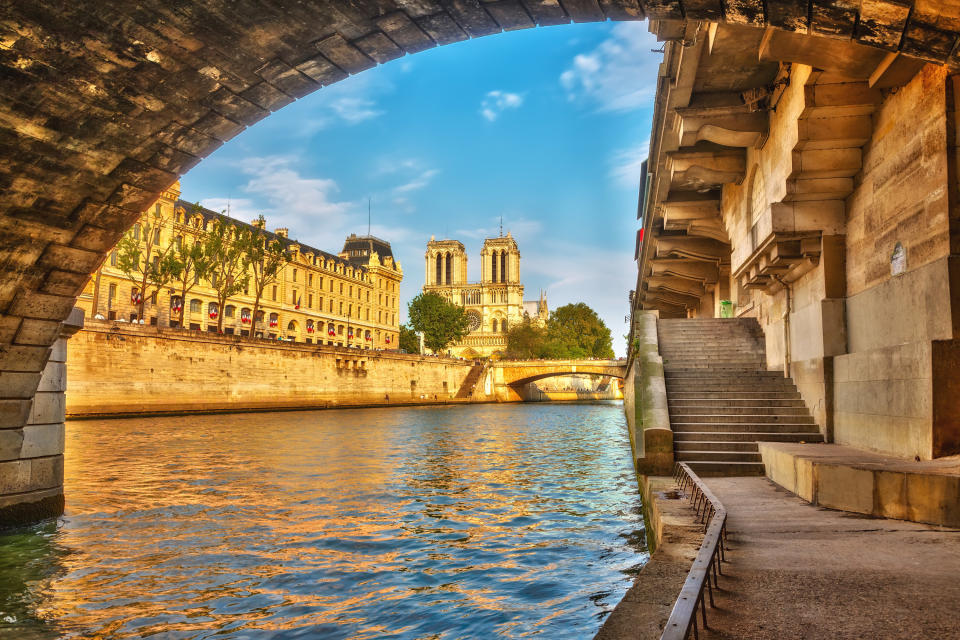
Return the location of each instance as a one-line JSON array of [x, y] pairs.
[[122, 370], [818, 193], [645, 400]]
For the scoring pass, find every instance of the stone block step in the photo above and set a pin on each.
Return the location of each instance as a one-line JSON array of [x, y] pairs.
[[694, 372], [741, 418], [749, 446], [746, 436], [718, 469], [718, 456], [721, 407], [686, 385], [696, 404], [745, 427], [748, 395]]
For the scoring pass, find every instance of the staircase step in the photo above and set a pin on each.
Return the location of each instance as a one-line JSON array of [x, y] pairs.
[[768, 427], [748, 395], [727, 408], [742, 405], [716, 469], [741, 418], [749, 446], [719, 456], [746, 436]]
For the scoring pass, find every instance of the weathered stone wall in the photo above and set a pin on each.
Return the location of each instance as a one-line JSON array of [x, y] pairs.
[[115, 369]]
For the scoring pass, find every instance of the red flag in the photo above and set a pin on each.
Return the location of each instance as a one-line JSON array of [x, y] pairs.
[[297, 306]]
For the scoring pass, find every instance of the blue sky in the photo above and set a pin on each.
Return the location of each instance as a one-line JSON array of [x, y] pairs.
[[546, 127]]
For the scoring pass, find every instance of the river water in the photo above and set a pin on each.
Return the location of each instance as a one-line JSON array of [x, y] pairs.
[[480, 521]]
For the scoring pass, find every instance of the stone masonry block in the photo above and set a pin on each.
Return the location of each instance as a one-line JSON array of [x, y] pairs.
[[54, 377], [23, 358], [11, 442], [41, 440], [46, 473], [379, 47], [38, 332], [14, 413], [48, 407], [65, 283], [18, 385], [288, 79], [402, 30], [343, 54], [845, 488], [15, 476], [9, 325], [509, 14], [58, 351], [30, 304], [442, 28], [93, 238]]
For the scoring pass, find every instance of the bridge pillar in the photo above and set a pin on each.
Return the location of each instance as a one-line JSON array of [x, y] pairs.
[[32, 435]]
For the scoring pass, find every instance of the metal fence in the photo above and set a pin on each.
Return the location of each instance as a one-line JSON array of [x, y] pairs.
[[707, 565]]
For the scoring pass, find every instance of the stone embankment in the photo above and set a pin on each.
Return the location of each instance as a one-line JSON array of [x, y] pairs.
[[116, 369]]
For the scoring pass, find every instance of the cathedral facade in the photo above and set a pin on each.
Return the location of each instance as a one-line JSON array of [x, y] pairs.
[[494, 304]]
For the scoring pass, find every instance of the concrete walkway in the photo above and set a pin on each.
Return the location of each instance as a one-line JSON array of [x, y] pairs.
[[799, 571]]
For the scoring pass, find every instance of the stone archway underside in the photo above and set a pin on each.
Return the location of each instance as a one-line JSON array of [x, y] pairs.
[[104, 105]]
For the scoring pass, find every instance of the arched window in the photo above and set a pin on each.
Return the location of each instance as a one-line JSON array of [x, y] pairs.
[[503, 325], [439, 278], [494, 325], [503, 266], [309, 326], [493, 267], [195, 305], [245, 315], [260, 314], [331, 330], [449, 268], [229, 311], [292, 325], [213, 310], [274, 320]]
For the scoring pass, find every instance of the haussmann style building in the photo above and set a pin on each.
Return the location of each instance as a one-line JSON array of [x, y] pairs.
[[350, 299], [494, 304]]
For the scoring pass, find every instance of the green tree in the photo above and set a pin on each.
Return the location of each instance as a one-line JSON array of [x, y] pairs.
[[145, 262], [192, 264], [409, 340], [266, 257], [224, 247], [525, 340], [576, 331], [441, 322]]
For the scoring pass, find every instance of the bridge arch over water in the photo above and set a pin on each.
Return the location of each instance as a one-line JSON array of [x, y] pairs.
[[508, 378], [104, 105]]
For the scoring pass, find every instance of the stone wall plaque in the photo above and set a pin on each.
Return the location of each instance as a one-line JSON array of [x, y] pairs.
[[898, 260]]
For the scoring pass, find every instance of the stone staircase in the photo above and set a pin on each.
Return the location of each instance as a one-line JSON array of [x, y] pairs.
[[473, 376], [721, 398]]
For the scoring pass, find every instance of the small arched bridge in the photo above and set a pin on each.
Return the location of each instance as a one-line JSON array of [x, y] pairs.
[[507, 378]]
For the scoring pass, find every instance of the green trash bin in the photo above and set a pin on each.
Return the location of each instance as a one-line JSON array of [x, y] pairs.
[[726, 309]]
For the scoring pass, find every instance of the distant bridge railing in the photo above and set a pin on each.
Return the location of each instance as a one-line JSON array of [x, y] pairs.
[[713, 515]]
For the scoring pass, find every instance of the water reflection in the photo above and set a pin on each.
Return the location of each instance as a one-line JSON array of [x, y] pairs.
[[467, 522]]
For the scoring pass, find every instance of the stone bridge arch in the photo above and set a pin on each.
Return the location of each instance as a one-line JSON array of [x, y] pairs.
[[509, 377], [105, 105]]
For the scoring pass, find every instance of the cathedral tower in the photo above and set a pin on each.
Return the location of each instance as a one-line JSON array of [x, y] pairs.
[[500, 261], [446, 263]]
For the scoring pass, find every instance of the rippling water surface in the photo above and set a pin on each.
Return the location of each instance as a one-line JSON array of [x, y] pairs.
[[463, 522]]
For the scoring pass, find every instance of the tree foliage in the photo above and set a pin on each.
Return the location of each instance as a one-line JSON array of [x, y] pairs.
[[573, 331], [409, 340], [145, 262], [441, 322], [192, 265], [225, 247], [266, 257]]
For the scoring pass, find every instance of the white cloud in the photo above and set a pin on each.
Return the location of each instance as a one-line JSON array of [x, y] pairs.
[[418, 182], [496, 102], [625, 164], [619, 74], [349, 102]]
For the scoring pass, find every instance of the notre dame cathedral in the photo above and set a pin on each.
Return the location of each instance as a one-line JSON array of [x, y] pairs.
[[494, 304]]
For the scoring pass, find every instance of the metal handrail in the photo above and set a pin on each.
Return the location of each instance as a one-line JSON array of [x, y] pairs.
[[713, 516]]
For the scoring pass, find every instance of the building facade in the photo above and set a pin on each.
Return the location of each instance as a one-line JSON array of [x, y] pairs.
[[350, 299], [494, 304], [817, 194]]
